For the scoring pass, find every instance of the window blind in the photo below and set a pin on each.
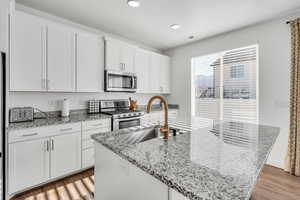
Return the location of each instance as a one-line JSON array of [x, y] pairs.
[[225, 85]]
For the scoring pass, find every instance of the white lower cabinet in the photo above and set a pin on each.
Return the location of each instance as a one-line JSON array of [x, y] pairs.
[[88, 157], [28, 164], [116, 179], [38, 155], [65, 154], [90, 128], [174, 195]]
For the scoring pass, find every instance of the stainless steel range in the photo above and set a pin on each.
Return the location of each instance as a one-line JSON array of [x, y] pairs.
[[122, 116]]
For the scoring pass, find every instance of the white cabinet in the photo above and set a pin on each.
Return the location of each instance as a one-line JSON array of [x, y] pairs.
[[155, 70], [90, 128], [65, 154], [28, 164], [61, 58], [90, 63], [174, 195], [38, 155], [4, 11], [127, 57], [119, 56], [165, 75], [28, 42], [142, 69], [117, 179]]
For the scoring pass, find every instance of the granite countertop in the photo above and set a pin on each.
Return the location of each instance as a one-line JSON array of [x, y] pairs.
[[75, 116], [221, 161], [55, 120]]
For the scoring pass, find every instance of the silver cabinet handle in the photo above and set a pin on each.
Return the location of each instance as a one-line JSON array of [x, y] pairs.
[[31, 134], [52, 145], [66, 129], [47, 146], [121, 66]]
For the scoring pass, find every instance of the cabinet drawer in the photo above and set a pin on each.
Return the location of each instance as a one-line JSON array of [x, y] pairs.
[[87, 144], [96, 124], [87, 134], [88, 158], [40, 132]]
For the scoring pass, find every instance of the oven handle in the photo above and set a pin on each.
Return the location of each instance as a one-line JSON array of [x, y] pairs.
[[128, 119], [133, 82]]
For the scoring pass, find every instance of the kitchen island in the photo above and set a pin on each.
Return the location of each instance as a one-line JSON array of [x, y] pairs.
[[222, 161]]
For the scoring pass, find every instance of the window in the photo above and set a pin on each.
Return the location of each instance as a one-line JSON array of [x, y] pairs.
[[237, 71], [225, 85]]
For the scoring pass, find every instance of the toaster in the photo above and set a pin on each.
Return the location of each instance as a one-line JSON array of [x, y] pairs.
[[21, 114]]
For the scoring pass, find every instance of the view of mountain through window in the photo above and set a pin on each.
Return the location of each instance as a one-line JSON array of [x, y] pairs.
[[225, 85]]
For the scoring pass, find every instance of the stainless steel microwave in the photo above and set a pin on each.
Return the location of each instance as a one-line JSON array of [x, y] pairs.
[[120, 81]]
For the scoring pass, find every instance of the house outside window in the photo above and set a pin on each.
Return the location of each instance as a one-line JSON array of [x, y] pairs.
[[237, 71]]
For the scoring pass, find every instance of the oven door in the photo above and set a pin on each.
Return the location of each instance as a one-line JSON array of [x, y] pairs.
[[126, 123], [120, 82]]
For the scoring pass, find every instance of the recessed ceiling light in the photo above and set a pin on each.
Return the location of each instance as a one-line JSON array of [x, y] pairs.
[[175, 26], [133, 3]]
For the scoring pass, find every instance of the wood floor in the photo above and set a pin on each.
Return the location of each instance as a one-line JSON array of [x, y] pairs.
[[77, 187], [273, 184]]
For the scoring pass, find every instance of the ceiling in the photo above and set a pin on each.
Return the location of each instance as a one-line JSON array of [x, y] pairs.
[[149, 24]]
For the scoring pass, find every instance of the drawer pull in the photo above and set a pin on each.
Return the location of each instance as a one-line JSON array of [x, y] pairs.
[[31, 134], [66, 129], [47, 146], [100, 124], [52, 145]]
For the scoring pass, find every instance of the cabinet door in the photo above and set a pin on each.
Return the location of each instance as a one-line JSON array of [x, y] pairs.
[[155, 70], [127, 57], [28, 164], [142, 69], [4, 10], [90, 63], [61, 58], [28, 68], [113, 55], [65, 154], [165, 74]]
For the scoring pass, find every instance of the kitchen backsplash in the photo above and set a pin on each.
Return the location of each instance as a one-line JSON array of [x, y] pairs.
[[52, 101]]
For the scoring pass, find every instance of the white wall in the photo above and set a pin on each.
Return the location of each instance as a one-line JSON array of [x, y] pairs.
[[273, 38]]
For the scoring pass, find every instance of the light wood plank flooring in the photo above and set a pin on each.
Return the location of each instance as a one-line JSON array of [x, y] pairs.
[[273, 184], [76, 187]]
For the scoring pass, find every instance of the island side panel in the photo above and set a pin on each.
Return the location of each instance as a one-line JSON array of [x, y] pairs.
[[174, 195], [116, 178]]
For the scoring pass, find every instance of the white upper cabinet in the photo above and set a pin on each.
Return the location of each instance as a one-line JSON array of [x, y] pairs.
[[142, 69], [119, 56], [61, 58], [165, 75], [4, 11], [127, 57], [28, 41], [155, 70], [90, 63]]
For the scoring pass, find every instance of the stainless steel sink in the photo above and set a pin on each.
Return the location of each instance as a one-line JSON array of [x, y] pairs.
[[141, 136]]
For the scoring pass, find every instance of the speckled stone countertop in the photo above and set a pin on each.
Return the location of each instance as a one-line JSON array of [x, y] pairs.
[[55, 120], [221, 161], [75, 116]]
